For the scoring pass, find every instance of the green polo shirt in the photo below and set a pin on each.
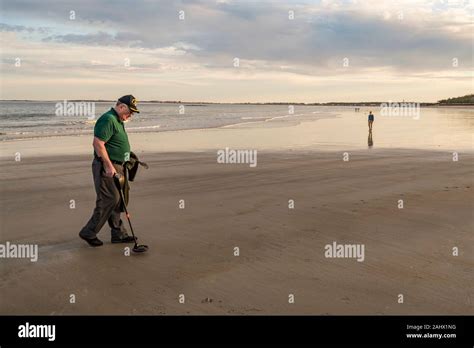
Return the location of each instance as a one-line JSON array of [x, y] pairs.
[[111, 129]]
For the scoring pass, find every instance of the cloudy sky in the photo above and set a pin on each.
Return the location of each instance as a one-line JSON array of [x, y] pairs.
[[237, 51]]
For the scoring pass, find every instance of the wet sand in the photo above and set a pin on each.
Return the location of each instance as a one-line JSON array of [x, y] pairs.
[[407, 251]]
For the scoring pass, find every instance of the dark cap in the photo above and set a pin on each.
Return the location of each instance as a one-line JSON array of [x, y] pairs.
[[130, 101]]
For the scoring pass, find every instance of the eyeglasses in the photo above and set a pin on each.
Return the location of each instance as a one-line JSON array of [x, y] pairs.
[[129, 111]]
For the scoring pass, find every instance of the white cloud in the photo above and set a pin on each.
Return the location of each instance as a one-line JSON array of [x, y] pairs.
[[383, 48]]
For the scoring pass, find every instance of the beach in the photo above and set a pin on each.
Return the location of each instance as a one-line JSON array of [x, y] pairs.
[[193, 213], [285, 172]]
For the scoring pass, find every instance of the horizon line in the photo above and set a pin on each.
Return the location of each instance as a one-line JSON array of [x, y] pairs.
[[371, 103]]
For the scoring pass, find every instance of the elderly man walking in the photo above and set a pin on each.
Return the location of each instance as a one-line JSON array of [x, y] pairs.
[[111, 151]]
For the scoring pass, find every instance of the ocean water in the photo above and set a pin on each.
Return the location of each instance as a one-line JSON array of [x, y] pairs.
[[19, 119], [430, 127]]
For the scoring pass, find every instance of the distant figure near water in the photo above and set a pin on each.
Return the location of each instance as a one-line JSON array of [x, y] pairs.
[[371, 120]]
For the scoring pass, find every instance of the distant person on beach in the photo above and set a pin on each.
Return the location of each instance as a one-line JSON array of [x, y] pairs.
[[111, 151], [371, 120]]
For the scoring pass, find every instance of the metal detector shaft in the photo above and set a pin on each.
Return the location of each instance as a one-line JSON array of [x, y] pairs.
[[116, 177]]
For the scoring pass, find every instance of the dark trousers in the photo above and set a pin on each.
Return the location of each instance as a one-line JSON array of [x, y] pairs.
[[107, 205]]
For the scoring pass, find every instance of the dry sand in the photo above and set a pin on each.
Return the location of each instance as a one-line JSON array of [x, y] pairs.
[[407, 251]]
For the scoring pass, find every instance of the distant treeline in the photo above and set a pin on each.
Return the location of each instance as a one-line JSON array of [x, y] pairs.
[[467, 99]]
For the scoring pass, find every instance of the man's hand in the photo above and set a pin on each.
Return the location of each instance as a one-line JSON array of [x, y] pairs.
[[110, 170], [99, 147]]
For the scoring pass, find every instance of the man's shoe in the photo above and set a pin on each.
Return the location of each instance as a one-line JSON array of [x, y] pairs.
[[126, 239], [94, 242]]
